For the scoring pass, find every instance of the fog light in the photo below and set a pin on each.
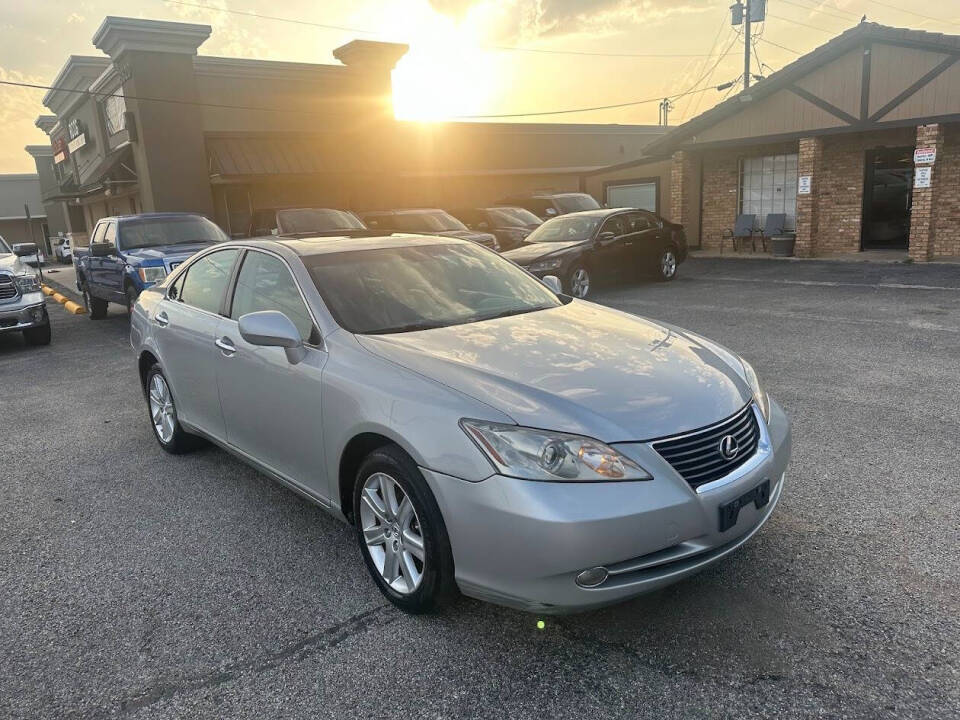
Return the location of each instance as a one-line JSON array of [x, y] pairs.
[[592, 577], [37, 314]]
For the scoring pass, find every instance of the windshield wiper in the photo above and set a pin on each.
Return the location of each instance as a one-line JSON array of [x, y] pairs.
[[410, 327], [512, 311]]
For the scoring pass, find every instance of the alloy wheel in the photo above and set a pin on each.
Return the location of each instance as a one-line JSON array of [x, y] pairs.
[[580, 283], [162, 411], [392, 533], [668, 264]]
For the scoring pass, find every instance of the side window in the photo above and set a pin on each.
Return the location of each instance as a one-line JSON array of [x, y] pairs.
[[638, 222], [617, 225], [376, 222], [206, 281], [265, 283], [539, 206], [98, 232], [110, 236]]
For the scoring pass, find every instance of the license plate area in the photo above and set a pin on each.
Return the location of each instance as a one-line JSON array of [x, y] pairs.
[[730, 511]]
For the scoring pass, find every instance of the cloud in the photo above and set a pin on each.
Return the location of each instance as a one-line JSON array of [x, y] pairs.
[[537, 18], [75, 18], [19, 108]]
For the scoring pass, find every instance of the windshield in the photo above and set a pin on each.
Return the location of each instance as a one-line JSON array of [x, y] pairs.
[[567, 228], [317, 220], [4, 248], [421, 287], [576, 202], [154, 232], [513, 217], [430, 221]]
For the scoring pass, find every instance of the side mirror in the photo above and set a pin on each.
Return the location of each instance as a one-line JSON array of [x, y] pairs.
[[24, 249], [606, 236], [100, 249], [553, 282], [270, 328], [550, 212], [483, 225]]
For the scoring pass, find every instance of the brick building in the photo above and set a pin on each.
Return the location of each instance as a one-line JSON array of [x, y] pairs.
[[858, 143]]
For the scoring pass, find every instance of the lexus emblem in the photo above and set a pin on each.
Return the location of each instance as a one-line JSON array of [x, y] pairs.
[[729, 447]]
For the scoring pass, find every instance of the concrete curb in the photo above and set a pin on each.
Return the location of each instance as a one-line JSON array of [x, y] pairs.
[[69, 305], [53, 286]]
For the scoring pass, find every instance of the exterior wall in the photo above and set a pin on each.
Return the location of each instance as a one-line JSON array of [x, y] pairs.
[[17, 231], [946, 237]]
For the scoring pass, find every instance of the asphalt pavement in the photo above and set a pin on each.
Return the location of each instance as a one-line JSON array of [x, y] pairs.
[[135, 584]]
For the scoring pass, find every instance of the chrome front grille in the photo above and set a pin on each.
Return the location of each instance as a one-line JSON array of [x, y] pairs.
[[8, 287], [697, 455]]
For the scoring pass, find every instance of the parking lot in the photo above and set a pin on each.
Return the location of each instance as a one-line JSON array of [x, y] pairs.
[[137, 584]]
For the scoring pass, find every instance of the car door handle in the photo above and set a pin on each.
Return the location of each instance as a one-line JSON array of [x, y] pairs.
[[226, 346], [161, 319]]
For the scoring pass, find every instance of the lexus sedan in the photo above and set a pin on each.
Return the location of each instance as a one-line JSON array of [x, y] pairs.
[[586, 248], [481, 432]]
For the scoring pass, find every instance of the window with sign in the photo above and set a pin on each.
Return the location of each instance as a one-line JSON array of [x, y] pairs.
[[768, 184], [114, 109]]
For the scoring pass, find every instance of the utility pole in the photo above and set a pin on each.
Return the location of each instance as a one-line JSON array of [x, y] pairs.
[[746, 47], [665, 107]]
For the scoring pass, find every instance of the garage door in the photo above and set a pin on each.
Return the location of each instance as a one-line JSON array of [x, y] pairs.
[[637, 195]]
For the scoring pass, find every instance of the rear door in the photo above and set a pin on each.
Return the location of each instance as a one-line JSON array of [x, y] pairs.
[[272, 408], [186, 324]]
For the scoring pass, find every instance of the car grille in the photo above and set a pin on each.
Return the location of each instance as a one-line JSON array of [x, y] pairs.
[[697, 456], [8, 287]]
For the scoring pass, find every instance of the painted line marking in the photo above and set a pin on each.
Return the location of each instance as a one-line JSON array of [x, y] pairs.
[[830, 283]]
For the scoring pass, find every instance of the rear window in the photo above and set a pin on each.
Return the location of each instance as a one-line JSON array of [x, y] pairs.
[[576, 202], [317, 220]]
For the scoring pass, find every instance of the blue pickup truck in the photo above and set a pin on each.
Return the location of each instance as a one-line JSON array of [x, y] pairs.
[[129, 253]]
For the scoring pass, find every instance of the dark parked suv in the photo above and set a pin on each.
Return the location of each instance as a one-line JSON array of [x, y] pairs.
[[426, 221], [546, 205], [585, 248], [510, 225]]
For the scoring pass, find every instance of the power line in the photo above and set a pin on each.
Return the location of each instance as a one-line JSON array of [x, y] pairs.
[[504, 48], [782, 47], [911, 12], [802, 24], [820, 11]]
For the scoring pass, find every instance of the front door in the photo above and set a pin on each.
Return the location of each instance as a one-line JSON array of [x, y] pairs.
[[186, 332], [112, 267], [612, 255], [887, 199], [272, 408]]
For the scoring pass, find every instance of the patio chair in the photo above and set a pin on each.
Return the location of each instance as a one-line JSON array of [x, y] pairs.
[[775, 224], [742, 228]]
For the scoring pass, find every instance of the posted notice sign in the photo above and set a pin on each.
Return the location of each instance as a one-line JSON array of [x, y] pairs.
[[921, 177], [803, 185], [925, 156]]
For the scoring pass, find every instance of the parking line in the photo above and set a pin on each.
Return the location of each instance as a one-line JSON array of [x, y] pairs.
[[829, 283]]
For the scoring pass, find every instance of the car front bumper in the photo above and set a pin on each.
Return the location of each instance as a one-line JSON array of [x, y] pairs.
[[522, 543], [30, 311]]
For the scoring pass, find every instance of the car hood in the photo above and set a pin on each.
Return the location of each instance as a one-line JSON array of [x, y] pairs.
[[11, 263], [161, 252], [531, 252], [579, 368]]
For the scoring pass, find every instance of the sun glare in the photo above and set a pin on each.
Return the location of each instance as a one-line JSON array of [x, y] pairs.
[[445, 74]]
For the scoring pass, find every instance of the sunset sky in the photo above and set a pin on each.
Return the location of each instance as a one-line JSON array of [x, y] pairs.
[[467, 57]]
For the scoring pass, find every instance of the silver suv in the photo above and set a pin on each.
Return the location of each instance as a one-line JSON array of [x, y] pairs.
[[22, 305]]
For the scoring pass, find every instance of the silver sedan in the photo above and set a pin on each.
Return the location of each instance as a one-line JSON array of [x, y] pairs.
[[481, 432]]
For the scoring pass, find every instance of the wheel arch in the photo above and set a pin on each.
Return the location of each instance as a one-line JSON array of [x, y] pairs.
[[352, 456], [146, 361]]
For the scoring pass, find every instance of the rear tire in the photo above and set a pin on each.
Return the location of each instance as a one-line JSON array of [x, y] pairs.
[[162, 411], [402, 532], [38, 335], [667, 264], [96, 308]]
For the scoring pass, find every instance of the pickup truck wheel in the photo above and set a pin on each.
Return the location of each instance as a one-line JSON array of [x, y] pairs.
[[96, 308], [37, 335], [163, 416]]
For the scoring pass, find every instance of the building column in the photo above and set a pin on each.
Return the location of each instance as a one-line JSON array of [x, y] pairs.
[[808, 165], [682, 184], [923, 213]]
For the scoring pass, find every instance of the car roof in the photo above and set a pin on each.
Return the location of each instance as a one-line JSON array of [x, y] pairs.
[[144, 216], [322, 245], [402, 211], [599, 212]]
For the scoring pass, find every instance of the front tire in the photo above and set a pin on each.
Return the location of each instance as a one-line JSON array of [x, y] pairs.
[[163, 415], [401, 532], [132, 295], [38, 335], [579, 281]]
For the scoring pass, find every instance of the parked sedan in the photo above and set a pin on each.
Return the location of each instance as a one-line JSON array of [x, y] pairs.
[[426, 221], [510, 225], [602, 245], [479, 431]]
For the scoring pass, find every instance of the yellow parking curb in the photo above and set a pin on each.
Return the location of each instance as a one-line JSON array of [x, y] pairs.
[[72, 307], [60, 298], [46, 290]]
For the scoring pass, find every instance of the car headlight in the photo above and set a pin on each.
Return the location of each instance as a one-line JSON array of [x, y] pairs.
[[533, 454], [152, 274], [545, 265], [28, 283], [763, 402]]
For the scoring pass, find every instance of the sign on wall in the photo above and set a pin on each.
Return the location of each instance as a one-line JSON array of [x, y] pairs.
[[803, 184], [78, 142], [60, 152], [925, 156], [921, 177]]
